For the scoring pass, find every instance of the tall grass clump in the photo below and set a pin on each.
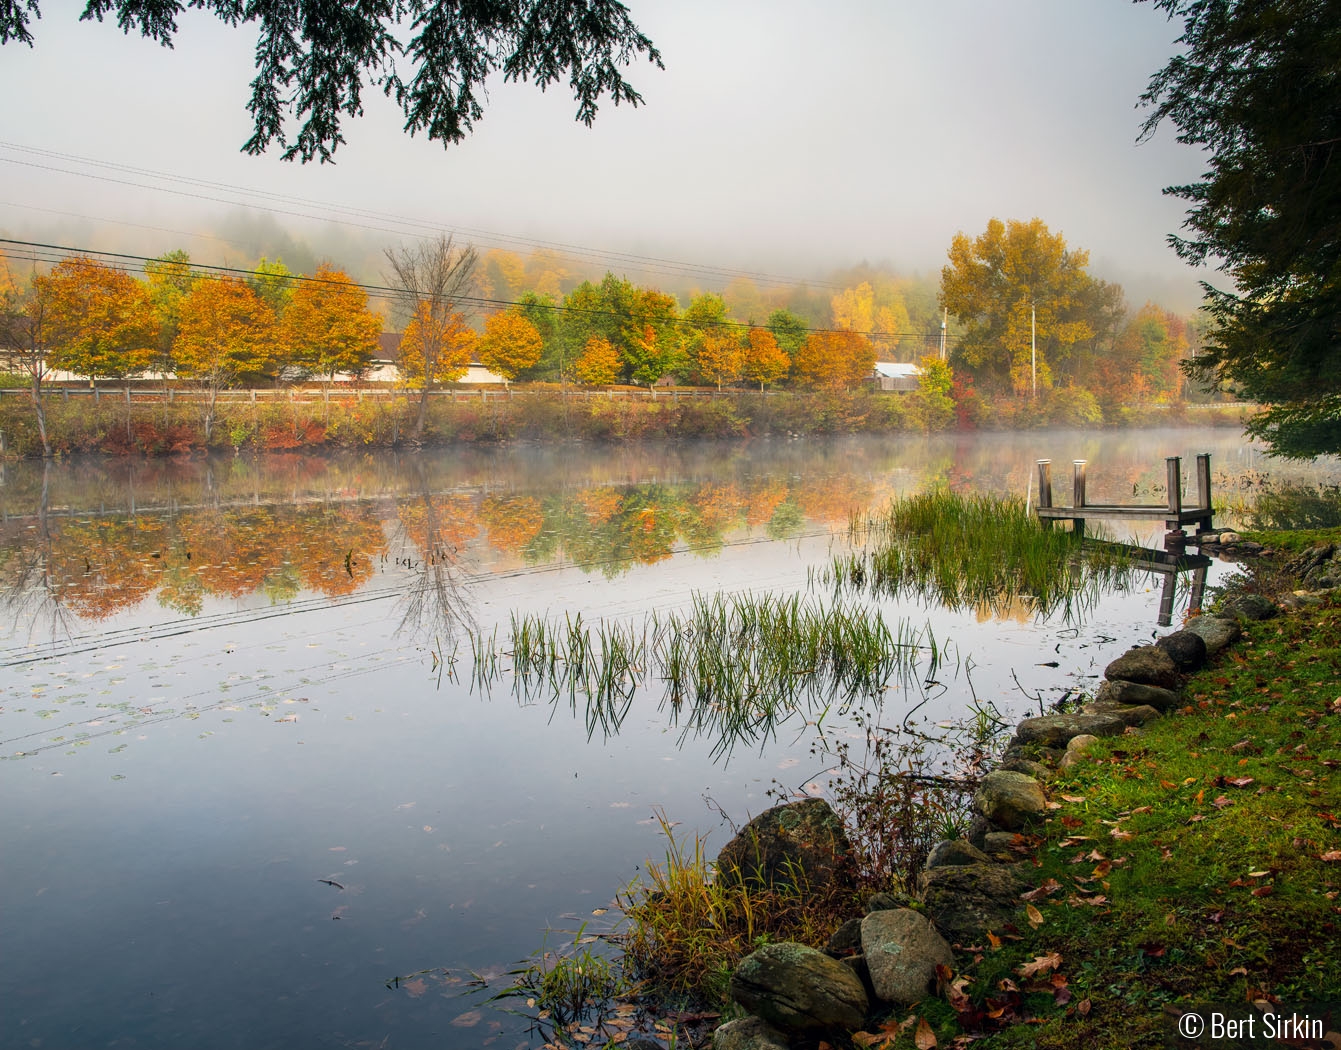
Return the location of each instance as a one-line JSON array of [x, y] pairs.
[[732, 667], [973, 550], [685, 930]]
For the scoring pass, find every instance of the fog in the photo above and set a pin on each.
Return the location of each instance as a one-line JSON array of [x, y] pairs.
[[781, 139]]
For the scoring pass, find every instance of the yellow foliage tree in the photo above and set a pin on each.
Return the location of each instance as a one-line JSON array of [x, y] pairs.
[[762, 360], [444, 339], [599, 363], [327, 326], [225, 335], [717, 356], [510, 344]]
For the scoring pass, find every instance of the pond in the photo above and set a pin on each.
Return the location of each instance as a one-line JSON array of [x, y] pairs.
[[252, 774]]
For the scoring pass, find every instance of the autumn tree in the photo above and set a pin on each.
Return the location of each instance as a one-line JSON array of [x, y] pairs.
[[652, 343], [599, 363], [433, 282], [933, 401], [327, 327], [712, 344], [273, 282], [835, 360], [27, 337], [1014, 285], [102, 319], [432, 57], [882, 317], [543, 314], [169, 279], [762, 360], [226, 335], [510, 344], [435, 348]]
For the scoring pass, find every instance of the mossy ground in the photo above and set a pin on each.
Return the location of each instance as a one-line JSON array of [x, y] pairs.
[[1198, 862]]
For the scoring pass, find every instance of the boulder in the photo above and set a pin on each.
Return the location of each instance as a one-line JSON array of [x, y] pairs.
[[902, 952], [965, 902], [1054, 731], [1147, 665], [955, 851], [748, 1033], [846, 939], [882, 901], [1187, 649], [1075, 749], [1217, 632], [1027, 766], [1010, 844], [1135, 694], [800, 844], [797, 988], [1132, 715], [1010, 800], [1248, 607]]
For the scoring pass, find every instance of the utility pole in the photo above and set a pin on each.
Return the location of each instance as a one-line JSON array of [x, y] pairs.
[[1033, 350], [945, 315]]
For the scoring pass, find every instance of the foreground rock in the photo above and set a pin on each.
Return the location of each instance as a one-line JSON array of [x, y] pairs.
[[1146, 664], [1054, 731], [1187, 649], [798, 988], [955, 852], [902, 952], [1135, 694], [799, 845], [1248, 607], [1131, 715], [1010, 800], [1217, 632], [748, 1033], [965, 902]]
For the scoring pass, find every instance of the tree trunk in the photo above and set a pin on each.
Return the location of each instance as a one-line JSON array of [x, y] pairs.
[[423, 409], [41, 413]]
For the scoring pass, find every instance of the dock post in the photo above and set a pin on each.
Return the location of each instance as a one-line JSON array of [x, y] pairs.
[[1045, 488], [1174, 540], [1078, 495], [1204, 492]]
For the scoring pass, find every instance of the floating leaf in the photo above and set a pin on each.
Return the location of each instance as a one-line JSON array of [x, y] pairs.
[[468, 1019]]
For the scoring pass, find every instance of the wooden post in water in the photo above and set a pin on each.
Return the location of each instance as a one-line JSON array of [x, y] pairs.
[[1204, 492], [1174, 540], [1078, 496], [1045, 487]]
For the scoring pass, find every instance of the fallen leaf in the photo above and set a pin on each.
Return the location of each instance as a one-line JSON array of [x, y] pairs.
[[1035, 916], [1074, 798], [993, 940], [924, 1038], [1240, 782], [1221, 801], [1331, 856], [468, 1019], [1263, 891], [1040, 964], [1121, 835], [1239, 971], [1083, 1008], [1049, 887]]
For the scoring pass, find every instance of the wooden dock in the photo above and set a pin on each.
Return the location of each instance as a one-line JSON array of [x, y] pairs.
[[1173, 513]]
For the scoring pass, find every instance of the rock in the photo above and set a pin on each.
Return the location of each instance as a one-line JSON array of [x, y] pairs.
[[902, 952], [1075, 749], [1032, 752], [1248, 607], [1010, 800], [885, 902], [1131, 714], [1134, 694], [802, 841], [643, 1044], [1027, 766], [797, 988], [1147, 665], [965, 902], [955, 851], [1056, 730], [846, 939], [857, 964], [1187, 649], [746, 1033], [1217, 632], [1010, 844], [1228, 539], [977, 831]]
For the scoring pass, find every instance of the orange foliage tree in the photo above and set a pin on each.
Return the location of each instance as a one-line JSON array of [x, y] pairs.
[[762, 360], [436, 347], [327, 326], [717, 356], [834, 360], [510, 344], [599, 364], [225, 335], [104, 323]]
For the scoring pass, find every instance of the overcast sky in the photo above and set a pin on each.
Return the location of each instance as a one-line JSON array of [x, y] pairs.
[[782, 137]]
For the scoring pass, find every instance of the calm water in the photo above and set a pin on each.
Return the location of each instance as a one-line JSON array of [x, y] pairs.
[[223, 682]]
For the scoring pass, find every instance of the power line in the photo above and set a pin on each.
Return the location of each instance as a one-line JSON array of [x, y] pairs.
[[44, 253], [368, 219]]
